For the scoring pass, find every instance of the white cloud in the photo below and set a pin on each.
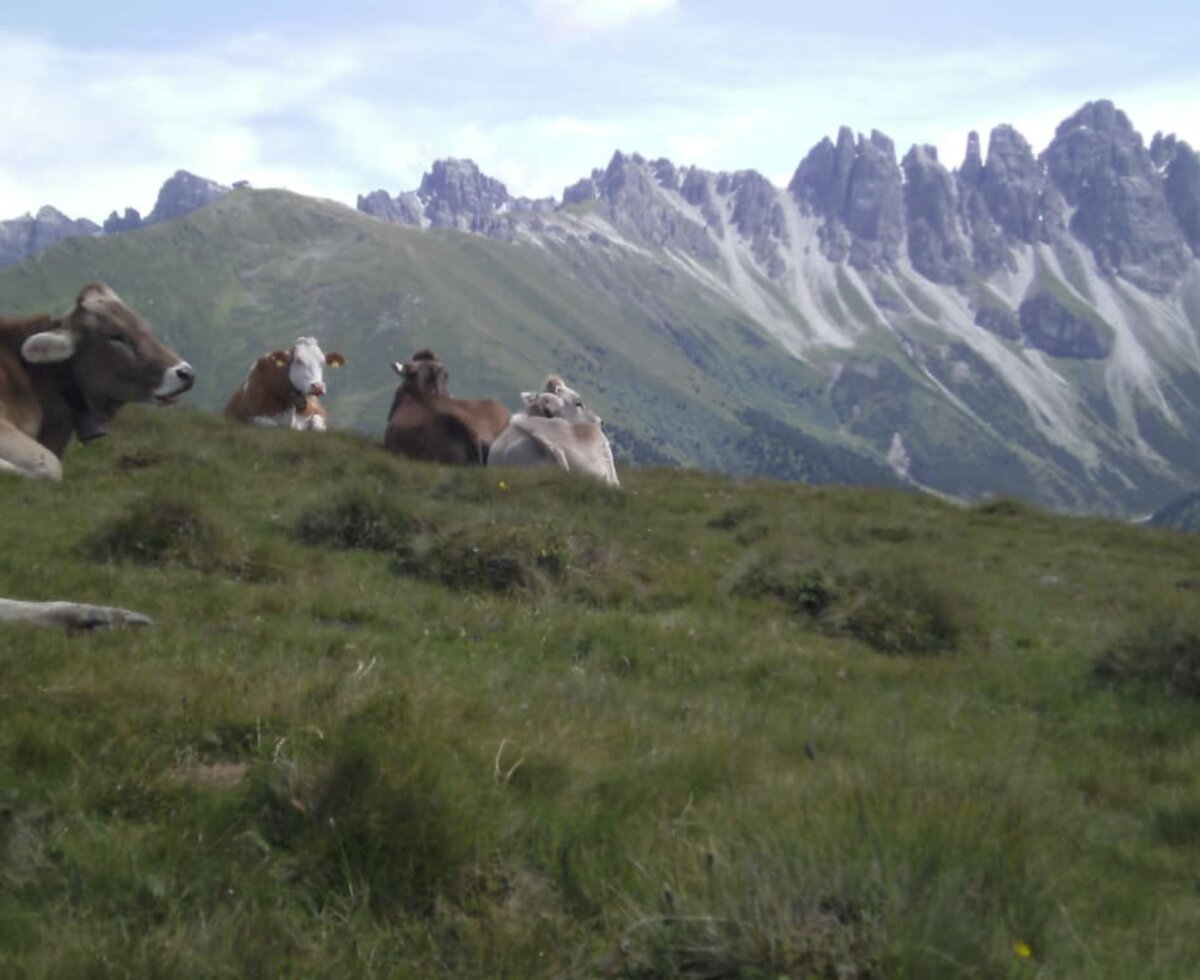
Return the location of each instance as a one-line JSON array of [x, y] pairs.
[[336, 116], [596, 15]]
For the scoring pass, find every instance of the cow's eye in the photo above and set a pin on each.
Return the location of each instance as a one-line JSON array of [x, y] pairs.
[[118, 338]]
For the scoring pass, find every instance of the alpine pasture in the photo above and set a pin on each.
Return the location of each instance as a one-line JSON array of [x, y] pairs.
[[398, 719]]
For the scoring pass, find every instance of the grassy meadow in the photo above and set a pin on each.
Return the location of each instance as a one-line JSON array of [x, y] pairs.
[[398, 720]]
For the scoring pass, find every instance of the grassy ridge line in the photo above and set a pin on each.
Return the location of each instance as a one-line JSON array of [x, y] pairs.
[[677, 369], [403, 720]]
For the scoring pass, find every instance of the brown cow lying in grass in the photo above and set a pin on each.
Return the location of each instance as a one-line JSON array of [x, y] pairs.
[[72, 375], [556, 429], [284, 388], [426, 422]]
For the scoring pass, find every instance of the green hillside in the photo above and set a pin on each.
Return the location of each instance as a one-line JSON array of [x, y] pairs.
[[397, 720], [672, 369], [1182, 514]]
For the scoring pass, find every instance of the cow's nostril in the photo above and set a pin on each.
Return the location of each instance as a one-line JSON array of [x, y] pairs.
[[184, 372]]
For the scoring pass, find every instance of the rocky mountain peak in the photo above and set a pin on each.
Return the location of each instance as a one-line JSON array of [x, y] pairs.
[[757, 215], [183, 193], [1014, 186], [972, 167], [666, 173], [1180, 166], [1006, 200], [631, 194], [116, 223], [454, 194], [856, 186], [457, 194], [30, 234], [936, 246], [1107, 175]]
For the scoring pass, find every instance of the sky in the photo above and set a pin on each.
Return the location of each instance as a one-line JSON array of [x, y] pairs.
[[100, 106]]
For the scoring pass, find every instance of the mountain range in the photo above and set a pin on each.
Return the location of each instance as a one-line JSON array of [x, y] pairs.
[[1023, 324]]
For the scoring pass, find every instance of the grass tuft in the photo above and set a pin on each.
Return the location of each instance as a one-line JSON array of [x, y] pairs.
[[804, 588], [384, 826], [491, 558], [357, 519], [1163, 653], [902, 611], [169, 531]]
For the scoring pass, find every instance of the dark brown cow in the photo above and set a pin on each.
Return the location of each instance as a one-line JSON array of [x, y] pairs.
[[72, 374], [427, 422]]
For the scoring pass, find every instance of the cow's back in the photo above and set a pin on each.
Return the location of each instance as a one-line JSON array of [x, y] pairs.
[[433, 428], [236, 408], [579, 447], [18, 401], [488, 416], [28, 401]]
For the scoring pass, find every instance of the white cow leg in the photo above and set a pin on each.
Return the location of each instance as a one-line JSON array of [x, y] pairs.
[[26, 457], [69, 615]]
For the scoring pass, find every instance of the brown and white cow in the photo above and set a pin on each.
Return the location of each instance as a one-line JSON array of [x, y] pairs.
[[427, 422], [284, 388], [71, 375], [556, 429]]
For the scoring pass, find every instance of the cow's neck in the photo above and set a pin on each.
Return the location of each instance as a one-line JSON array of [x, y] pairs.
[[86, 423]]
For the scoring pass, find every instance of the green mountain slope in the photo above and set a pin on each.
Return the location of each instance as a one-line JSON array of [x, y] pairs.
[[1182, 514], [674, 370], [405, 720]]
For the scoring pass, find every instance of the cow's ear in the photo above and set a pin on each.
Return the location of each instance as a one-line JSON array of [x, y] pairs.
[[529, 398], [334, 359], [49, 347], [280, 358]]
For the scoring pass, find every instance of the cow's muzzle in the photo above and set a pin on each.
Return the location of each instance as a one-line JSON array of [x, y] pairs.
[[176, 380]]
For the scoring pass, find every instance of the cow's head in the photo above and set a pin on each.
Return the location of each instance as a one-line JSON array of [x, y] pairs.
[[108, 356], [424, 374], [556, 400], [305, 364]]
